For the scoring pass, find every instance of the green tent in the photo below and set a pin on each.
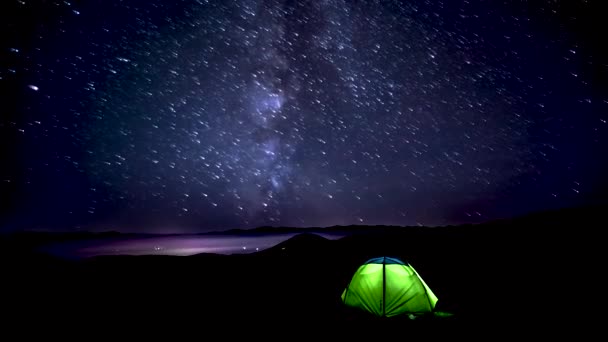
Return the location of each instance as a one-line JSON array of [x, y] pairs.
[[389, 287]]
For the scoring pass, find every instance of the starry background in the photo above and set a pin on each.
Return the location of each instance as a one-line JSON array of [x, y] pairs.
[[185, 116]]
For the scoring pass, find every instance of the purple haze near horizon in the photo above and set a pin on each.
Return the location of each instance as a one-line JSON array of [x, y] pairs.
[[176, 245]]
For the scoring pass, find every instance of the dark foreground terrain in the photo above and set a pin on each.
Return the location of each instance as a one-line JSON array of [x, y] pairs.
[[535, 274]]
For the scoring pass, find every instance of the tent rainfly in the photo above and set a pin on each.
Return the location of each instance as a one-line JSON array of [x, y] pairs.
[[388, 287]]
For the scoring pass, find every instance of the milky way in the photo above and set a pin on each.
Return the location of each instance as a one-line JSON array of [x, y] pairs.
[[201, 115]]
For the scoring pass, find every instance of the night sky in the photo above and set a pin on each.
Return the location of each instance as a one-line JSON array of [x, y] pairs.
[[187, 116]]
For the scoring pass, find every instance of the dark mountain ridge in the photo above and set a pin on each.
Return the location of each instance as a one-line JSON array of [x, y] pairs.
[[532, 271]]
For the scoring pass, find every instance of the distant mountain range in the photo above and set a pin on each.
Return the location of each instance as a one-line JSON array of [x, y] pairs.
[[560, 217], [570, 218]]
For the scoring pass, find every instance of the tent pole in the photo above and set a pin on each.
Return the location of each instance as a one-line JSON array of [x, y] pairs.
[[383, 286]]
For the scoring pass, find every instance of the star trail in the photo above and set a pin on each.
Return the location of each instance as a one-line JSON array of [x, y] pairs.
[[183, 116]]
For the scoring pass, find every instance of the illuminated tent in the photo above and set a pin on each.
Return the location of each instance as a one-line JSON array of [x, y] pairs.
[[389, 287]]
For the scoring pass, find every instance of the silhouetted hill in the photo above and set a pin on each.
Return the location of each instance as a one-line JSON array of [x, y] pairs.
[[532, 272], [301, 243]]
